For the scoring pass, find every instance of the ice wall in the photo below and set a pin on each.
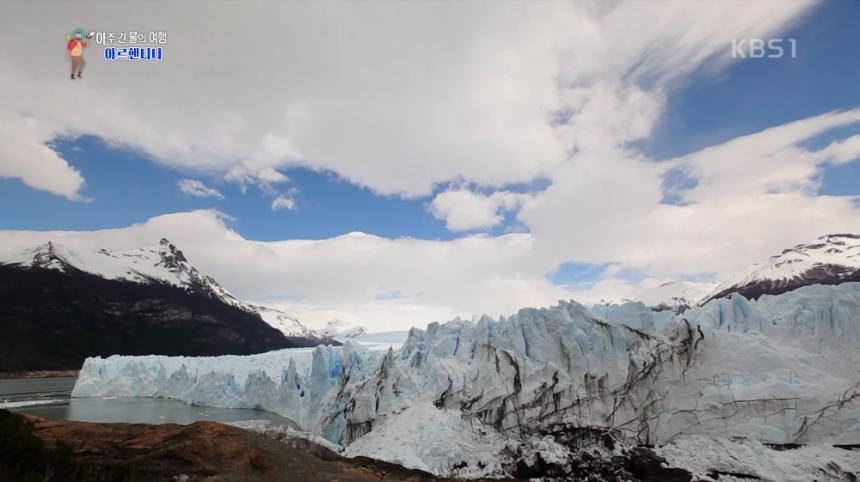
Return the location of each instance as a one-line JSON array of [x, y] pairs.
[[633, 314], [780, 369], [293, 383]]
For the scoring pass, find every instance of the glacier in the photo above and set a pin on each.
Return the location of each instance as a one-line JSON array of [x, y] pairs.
[[782, 369], [292, 383], [634, 314]]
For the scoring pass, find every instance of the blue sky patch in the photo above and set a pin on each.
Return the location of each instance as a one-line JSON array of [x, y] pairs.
[[570, 273], [753, 94]]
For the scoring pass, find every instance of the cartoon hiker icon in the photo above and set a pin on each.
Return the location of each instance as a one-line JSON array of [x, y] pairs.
[[75, 50]]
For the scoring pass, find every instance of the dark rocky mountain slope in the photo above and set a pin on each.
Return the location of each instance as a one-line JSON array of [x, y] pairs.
[[54, 319]]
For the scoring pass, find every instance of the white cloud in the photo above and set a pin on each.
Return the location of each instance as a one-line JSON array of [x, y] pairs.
[[341, 276], [283, 202], [254, 173], [840, 152], [509, 93], [25, 156], [193, 187], [772, 161], [754, 196], [464, 210], [399, 116]]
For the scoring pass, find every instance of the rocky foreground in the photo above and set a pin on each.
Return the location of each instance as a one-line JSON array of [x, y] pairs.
[[34, 448]]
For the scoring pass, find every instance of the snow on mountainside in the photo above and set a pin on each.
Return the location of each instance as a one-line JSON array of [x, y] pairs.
[[343, 330], [287, 324], [161, 264], [660, 303], [675, 296], [351, 332], [830, 259]]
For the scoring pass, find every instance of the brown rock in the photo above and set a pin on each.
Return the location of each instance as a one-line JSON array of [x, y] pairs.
[[209, 451]]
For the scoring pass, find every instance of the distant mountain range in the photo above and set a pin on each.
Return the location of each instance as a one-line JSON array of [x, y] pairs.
[[66, 300], [676, 296], [62, 304], [829, 260]]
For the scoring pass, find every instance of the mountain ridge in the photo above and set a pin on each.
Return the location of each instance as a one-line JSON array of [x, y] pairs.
[[828, 260], [63, 304], [163, 264]]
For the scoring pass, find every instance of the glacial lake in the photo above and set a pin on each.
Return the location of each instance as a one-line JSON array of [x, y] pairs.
[[51, 398]]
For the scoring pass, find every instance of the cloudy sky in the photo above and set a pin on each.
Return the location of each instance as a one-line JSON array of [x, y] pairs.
[[396, 163]]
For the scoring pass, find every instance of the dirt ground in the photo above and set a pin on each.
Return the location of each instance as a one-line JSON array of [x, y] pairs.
[[209, 451]]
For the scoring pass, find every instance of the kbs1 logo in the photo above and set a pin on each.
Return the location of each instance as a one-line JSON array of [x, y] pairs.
[[757, 48]]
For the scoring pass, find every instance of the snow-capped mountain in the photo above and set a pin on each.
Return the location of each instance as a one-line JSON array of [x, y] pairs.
[[343, 330], [352, 332], [162, 264], [828, 260], [664, 300], [289, 325], [64, 301], [675, 296]]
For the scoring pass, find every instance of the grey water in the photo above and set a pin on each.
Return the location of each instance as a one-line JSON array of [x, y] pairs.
[[31, 389], [51, 398]]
